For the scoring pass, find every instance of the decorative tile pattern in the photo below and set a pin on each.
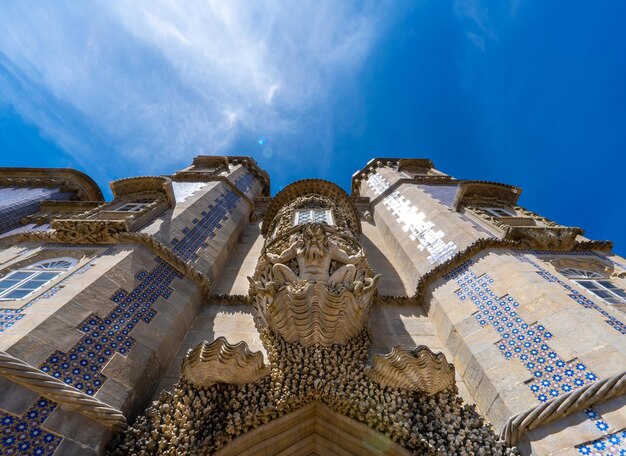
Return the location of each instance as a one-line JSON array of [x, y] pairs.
[[443, 193], [24, 435], [81, 366], [575, 294], [204, 229], [244, 183], [608, 444], [552, 376], [17, 203], [8, 317], [414, 222], [183, 190]]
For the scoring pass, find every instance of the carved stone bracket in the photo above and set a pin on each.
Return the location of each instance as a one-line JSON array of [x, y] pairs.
[[150, 185], [543, 237], [77, 231], [481, 193], [221, 362], [419, 369]]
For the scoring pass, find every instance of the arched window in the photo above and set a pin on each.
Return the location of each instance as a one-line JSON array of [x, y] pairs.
[[20, 283], [313, 215], [597, 284]]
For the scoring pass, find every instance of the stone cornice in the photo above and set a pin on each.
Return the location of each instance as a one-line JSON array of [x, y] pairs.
[[482, 244], [477, 192], [66, 179]]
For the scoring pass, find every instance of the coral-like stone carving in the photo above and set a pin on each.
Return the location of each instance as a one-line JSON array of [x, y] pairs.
[[199, 421], [314, 292], [418, 370], [221, 362]]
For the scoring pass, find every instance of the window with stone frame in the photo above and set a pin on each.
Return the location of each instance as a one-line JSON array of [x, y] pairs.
[[499, 211], [315, 215], [135, 206], [596, 283], [22, 282]]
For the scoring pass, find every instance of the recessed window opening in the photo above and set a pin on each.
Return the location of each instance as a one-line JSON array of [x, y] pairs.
[[22, 282], [499, 211], [597, 284], [135, 206], [313, 215]]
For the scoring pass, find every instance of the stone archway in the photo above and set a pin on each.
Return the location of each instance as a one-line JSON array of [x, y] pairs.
[[314, 429]]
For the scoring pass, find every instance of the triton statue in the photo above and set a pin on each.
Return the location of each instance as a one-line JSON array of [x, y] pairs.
[[314, 254]]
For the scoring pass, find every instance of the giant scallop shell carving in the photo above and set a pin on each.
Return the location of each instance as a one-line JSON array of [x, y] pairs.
[[221, 362], [419, 369], [314, 314]]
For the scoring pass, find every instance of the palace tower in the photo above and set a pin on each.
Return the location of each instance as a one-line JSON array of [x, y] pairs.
[[194, 313]]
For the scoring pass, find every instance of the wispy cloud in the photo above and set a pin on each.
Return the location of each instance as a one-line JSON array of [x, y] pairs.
[[142, 80], [483, 19]]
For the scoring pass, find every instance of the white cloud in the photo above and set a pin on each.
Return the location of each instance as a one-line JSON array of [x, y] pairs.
[[136, 80]]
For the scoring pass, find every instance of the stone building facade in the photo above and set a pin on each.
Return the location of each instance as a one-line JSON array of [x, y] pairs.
[[196, 314]]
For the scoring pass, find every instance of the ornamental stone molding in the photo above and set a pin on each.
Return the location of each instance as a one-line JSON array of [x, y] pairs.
[[221, 362], [193, 420], [317, 289], [209, 163], [422, 165], [560, 238], [77, 231], [50, 210], [145, 186], [419, 369], [21, 372], [65, 179], [595, 265], [206, 166], [483, 193], [342, 205], [489, 243], [415, 166]]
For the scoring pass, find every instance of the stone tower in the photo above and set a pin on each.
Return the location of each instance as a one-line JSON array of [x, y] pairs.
[[195, 314]]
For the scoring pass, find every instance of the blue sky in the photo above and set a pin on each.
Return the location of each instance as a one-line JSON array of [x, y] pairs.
[[529, 93]]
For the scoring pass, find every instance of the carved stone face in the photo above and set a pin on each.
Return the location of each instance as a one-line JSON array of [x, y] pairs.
[[315, 242]]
